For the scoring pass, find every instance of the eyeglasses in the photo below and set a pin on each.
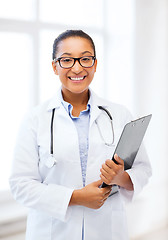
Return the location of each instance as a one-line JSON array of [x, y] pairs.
[[69, 62]]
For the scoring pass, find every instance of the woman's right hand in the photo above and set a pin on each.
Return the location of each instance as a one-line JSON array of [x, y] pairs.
[[91, 196]]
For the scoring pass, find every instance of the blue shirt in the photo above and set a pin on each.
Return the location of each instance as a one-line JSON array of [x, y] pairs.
[[82, 126]]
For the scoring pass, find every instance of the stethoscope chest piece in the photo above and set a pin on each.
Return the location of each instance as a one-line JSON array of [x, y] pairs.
[[51, 161]]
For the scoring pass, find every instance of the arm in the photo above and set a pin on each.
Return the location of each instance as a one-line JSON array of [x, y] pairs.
[[26, 182]]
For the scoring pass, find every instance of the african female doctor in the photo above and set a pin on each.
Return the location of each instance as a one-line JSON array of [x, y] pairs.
[[63, 152]]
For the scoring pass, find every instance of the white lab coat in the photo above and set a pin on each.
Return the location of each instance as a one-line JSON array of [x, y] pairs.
[[47, 188]]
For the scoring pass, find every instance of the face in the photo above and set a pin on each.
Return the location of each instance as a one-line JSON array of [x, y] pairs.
[[77, 78]]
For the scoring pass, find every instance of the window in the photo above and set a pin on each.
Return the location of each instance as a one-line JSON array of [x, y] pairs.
[[27, 31], [16, 72], [18, 9]]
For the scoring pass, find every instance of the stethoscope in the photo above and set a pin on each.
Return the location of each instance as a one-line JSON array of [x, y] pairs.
[[51, 160], [111, 122]]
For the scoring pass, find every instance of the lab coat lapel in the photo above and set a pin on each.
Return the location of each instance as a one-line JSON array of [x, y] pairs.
[[95, 111], [55, 102]]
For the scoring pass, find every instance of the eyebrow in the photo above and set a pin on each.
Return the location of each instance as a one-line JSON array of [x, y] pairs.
[[69, 54], [86, 52]]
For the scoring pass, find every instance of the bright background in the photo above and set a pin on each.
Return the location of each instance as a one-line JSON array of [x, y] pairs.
[[131, 38]]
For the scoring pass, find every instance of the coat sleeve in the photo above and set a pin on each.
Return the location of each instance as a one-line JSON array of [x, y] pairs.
[[25, 181], [140, 172]]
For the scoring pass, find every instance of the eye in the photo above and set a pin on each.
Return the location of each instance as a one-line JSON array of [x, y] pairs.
[[66, 60], [86, 59]]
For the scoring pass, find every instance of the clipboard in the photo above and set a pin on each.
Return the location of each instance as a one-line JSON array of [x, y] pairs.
[[129, 143]]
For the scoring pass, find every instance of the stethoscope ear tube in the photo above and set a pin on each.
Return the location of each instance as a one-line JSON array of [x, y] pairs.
[[104, 109]]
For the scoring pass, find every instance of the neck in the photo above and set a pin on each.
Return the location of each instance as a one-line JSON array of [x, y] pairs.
[[76, 99]]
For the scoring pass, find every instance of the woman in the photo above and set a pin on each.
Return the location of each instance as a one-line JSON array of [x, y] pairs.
[[58, 174]]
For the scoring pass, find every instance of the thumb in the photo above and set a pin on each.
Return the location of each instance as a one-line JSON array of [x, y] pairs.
[[98, 183], [118, 159]]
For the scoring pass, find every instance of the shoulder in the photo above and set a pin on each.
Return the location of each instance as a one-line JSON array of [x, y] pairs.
[[38, 113], [39, 109]]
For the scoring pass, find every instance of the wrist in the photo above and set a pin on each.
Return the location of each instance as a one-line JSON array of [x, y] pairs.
[[126, 182], [76, 197]]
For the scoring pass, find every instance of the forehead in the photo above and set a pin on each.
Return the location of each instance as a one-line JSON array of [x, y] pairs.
[[74, 45]]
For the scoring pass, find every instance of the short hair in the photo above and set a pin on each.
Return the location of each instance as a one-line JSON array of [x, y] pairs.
[[71, 33]]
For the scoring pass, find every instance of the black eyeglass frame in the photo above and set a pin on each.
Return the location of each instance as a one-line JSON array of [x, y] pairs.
[[75, 59]]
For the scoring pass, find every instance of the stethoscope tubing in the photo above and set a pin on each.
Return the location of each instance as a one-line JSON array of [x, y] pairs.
[[52, 131], [111, 121]]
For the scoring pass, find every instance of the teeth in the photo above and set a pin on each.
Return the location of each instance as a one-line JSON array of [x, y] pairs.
[[77, 79]]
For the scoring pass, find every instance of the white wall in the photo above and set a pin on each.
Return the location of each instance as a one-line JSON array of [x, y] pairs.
[[151, 96]]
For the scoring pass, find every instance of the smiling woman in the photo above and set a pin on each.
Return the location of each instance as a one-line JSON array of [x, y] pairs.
[[53, 184]]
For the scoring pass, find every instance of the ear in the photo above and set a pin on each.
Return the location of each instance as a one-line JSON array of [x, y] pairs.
[[95, 65], [54, 67]]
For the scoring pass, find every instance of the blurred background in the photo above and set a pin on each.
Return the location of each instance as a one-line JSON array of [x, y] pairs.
[[131, 38]]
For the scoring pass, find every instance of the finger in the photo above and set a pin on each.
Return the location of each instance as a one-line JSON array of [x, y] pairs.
[[106, 196], [106, 168], [101, 204], [109, 166], [107, 180], [118, 159], [107, 175], [98, 183], [105, 171], [109, 163], [106, 190], [108, 193]]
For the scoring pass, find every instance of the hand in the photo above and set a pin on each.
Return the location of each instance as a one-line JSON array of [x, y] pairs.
[[111, 173], [91, 196]]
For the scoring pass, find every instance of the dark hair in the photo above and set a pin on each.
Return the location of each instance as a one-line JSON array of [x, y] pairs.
[[71, 33]]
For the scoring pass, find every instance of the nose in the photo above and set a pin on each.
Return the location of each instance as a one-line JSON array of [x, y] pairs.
[[77, 68]]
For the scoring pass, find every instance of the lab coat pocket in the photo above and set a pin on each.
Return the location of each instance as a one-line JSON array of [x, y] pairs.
[[47, 163], [58, 170], [46, 159], [50, 161]]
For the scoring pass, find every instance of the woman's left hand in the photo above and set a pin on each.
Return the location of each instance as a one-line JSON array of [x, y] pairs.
[[111, 172]]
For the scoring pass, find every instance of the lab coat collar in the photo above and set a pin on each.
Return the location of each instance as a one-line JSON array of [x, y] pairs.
[[55, 101], [94, 102]]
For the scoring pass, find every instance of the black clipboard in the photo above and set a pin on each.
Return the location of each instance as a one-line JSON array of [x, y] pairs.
[[129, 142]]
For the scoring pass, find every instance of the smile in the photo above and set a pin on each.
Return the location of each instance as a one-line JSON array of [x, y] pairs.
[[77, 78]]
